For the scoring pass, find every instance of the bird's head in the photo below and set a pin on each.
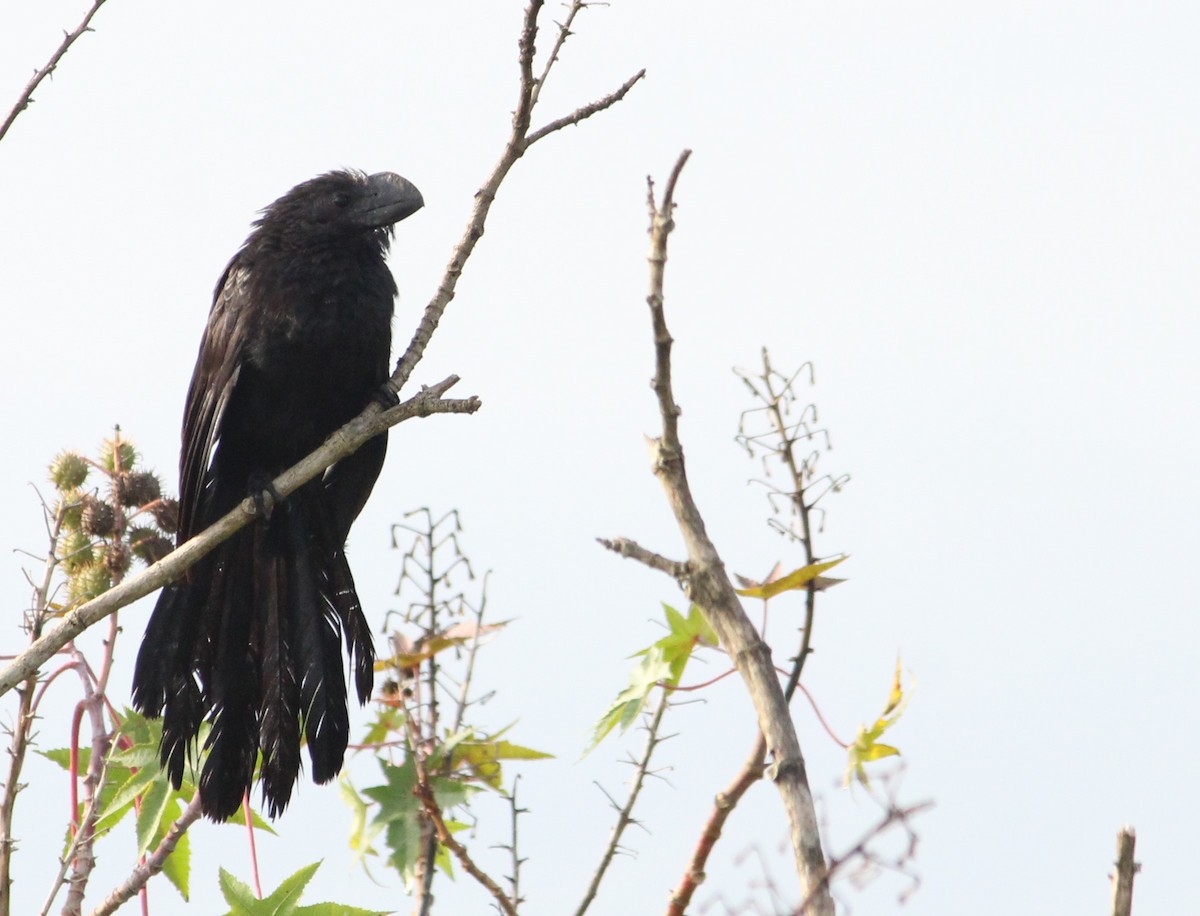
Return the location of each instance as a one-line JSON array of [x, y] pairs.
[[343, 203]]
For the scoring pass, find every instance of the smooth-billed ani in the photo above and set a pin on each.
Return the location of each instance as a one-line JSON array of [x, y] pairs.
[[250, 638]]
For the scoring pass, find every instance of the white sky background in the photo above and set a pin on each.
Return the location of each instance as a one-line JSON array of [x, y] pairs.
[[980, 220]]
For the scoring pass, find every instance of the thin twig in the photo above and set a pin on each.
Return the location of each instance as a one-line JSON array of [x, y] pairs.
[[342, 443], [892, 815], [750, 773], [625, 812], [28, 698], [424, 792], [69, 38], [79, 839], [153, 864], [586, 111], [519, 140]]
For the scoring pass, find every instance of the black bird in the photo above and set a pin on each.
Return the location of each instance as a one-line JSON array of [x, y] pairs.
[[298, 342]]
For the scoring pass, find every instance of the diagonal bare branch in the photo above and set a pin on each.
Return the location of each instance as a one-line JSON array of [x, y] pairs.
[[346, 440], [69, 38]]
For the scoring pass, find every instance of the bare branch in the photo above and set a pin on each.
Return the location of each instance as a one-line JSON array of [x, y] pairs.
[[709, 587], [586, 111], [153, 863], [1122, 879], [346, 440], [625, 811], [424, 792], [893, 814], [723, 805], [69, 38], [632, 550], [519, 140]]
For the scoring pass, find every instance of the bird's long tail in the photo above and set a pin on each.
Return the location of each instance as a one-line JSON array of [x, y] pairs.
[[252, 642]]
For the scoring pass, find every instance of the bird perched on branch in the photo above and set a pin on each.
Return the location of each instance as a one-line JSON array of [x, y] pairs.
[[251, 638]]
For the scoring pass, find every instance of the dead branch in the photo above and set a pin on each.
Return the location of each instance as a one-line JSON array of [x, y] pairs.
[[708, 585], [69, 38]]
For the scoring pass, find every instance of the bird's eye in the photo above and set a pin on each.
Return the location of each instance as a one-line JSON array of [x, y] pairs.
[[341, 200]]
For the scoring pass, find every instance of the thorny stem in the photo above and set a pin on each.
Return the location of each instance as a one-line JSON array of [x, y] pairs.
[[625, 812], [69, 38], [516, 811], [424, 792], [424, 867], [28, 696]]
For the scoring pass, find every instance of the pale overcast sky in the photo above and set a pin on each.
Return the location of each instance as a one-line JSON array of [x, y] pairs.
[[979, 219]]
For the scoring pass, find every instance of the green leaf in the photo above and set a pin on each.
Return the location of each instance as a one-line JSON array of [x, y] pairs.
[[624, 710], [799, 578], [150, 826], [867, 747], [684, 636], [399, 815], [284, 900]]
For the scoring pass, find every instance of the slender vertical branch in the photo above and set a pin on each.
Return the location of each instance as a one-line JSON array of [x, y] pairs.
[[424, 793], [625, 812], [709, 586], [69, 38]]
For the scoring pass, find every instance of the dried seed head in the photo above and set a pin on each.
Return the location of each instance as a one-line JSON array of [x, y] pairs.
[[166, 513], [97, 517], [148, 545], [117, 558]]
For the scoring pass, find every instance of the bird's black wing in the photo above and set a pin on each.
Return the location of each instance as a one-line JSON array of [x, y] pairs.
[[218, 367]]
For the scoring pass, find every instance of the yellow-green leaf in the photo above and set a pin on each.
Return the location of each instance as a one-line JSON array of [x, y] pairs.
[[799, 578]]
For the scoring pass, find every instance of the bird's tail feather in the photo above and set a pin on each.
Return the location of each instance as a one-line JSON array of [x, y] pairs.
[[255, 644]]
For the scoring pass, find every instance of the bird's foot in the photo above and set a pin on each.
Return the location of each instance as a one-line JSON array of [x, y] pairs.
[[385, 397], [264, 494]]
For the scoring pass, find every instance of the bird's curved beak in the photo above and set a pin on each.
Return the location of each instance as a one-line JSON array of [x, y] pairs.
[[388, 200]]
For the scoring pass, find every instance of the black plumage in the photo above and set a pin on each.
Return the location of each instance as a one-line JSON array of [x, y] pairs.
[[250, 638]]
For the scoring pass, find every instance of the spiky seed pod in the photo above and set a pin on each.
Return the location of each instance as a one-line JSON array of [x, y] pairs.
[[75, 551], [88, 583], [70, 504], [68, 471], [142, 487], [114, 454], [97, 517], [166, 513], [148, 545], [117, 558]]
